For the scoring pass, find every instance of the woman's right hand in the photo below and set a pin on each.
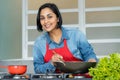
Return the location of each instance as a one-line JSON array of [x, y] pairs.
[[56, 57]]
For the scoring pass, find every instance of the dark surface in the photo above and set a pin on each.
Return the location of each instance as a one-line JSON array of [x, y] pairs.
[[41, 77]]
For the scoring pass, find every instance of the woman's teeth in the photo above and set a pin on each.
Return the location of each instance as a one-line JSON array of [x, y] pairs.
[[47, 26]]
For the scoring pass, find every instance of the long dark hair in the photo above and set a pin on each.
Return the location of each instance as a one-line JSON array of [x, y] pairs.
[[55, 9]]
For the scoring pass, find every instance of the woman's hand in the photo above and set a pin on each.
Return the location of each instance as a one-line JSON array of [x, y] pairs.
[[56, 57], [91, 60]]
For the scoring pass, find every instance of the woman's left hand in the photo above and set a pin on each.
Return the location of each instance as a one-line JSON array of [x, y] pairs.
[[91, 60]]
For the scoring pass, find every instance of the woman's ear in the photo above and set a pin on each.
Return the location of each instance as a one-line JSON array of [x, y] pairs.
[[57, 19]]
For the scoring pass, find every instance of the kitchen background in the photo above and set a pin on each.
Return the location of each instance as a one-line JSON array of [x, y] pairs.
[[98, 19]]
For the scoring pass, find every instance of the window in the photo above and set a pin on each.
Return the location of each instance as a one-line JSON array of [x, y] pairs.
[[99, 20]]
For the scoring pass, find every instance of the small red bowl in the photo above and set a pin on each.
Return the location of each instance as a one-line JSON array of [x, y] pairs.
[[17, 69]]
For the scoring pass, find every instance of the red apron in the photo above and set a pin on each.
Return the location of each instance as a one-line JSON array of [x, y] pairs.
[[63, 51]]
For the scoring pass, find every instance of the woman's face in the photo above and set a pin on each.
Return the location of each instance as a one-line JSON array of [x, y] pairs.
[[48, 19]]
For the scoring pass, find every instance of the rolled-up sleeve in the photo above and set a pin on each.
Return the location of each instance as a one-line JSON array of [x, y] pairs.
[[38, 61], [85, 47]]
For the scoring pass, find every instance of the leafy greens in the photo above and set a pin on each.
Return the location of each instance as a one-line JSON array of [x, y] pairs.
[[108, 68]]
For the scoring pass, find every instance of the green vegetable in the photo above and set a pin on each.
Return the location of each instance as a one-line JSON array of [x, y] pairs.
[[108, 68]]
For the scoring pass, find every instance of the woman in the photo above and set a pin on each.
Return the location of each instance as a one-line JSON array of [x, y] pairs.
[[57, 43]]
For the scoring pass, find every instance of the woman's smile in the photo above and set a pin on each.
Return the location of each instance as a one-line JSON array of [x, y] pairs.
[[47, 25]]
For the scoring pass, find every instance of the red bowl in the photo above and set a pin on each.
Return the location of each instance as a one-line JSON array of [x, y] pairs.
[[17, 69]]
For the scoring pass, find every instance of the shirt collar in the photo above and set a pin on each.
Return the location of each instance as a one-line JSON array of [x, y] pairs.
[[64, 35]]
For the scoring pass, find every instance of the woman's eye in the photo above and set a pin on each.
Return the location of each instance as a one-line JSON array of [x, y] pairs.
[[41, 18], [49, 17]]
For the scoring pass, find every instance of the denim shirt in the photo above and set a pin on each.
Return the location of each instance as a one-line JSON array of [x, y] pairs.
[[76, 42]]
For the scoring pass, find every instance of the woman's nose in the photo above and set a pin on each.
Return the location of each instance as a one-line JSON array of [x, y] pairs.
[[46, 20]]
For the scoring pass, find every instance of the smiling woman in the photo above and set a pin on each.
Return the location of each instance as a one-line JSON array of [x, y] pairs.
[[58, 43], [10, 29]]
